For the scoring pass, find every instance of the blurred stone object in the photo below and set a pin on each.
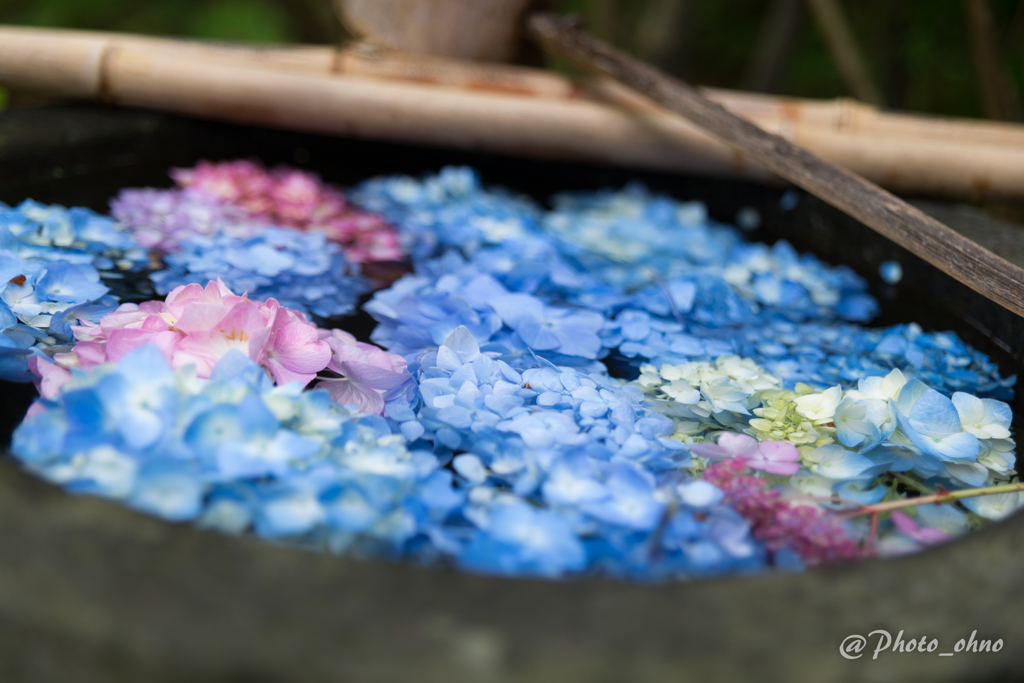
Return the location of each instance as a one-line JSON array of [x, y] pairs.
[[486, 30]]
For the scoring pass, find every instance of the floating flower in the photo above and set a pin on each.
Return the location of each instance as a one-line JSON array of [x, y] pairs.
[[162, 219], [984, 418], [819, 407], [296, 199], [775, 457], [370, 376], [57, 265], [930, 420], [197, 326], [922, 534], [234, 452], [803, 529], [301, 270]]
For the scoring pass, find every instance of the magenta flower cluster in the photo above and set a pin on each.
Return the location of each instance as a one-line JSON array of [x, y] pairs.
[[780, 524], [298, 199]]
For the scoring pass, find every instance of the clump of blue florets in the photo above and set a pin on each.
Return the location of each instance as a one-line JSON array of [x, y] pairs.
[[234, 452], [670, 285], [53, 263], [302, 270]]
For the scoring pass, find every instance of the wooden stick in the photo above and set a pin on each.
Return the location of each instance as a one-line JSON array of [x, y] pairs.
[[912, 229], [937, 498], [505, 109], [845, 51]]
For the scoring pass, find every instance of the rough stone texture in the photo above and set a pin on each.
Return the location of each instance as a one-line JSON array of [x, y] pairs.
[[90, 591]]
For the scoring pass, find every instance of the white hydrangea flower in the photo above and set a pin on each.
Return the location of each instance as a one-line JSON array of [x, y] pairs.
[[983, 417], [879, 388], [998, 462], [819, 407]]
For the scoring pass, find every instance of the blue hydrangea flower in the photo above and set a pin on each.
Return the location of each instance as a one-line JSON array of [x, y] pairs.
[[40, 232], [56, 265], [449, 209], [235, 452], [302, 270]]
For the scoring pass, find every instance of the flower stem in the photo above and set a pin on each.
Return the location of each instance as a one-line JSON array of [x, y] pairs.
[[946, 497]]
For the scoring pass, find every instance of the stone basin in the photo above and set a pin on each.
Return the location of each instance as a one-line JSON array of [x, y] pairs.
[[92, 591]]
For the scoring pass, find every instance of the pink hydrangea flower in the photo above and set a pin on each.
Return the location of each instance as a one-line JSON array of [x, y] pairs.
[[369, 374], [161, 219], [807, 530], [776, 457], [297, 199], [198, 326], [924, 535]]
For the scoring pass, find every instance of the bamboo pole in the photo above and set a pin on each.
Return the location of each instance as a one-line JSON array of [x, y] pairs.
[[508, 109], [414, 112], [34, 59], [912, 229]]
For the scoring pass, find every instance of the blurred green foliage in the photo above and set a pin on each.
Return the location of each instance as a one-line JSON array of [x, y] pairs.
[[272, 21], [918, 51]]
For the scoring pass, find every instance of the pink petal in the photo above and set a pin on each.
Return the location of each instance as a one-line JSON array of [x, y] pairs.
[[374, 377], [37, 408], [203, 351], [155, 323], [779, 451], [51, 377], [90, 353], [930, 536], [738, 444], [708, 450], [783, 468], [922, 534], [348, 393], [904, 523], [296, 354], [181, 297], [122, 342], [245, 328], [201, 317]]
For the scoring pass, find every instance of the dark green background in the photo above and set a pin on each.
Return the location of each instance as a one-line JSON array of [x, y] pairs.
[[917, 50]]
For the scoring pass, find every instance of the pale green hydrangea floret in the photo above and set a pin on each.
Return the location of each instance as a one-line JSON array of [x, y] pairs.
[[707, 394], [779, 420], [820, 407]]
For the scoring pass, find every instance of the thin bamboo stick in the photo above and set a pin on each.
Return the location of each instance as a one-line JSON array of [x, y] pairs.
[[922, 235], [509, 109]]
